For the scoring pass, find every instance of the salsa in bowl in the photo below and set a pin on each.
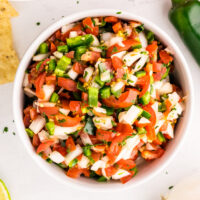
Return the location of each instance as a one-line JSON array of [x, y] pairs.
[[101, 100]]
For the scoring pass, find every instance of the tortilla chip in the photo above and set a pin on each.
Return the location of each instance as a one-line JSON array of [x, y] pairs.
[[8, 58], [6, 10]]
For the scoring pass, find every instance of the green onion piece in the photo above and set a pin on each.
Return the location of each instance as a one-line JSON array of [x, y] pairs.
[[62, 65], [86, 151], [151, 80], [52, 65], [73, 163], [93, 96], [150, 37], [109, 111], [161, 137], [102, 179], [116, 93], [105, 92], [140, 74], [63, 48], [80, 51], [84, 40], [50, 126], [141, 130], [54, 98], [138, 46], [146, 114], [99, 81], [43, 48], [166, 73], [135, 169], [145, 99], [29, 132]]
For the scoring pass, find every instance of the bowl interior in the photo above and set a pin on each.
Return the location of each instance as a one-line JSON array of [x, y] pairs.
[[146, 170]]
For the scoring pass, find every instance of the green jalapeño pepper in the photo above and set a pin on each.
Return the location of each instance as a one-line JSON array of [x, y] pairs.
[[185, 16]]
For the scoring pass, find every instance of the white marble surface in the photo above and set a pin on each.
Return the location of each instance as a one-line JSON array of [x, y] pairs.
[[25, 180]]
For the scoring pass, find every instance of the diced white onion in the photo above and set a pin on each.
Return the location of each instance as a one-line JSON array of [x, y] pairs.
[[72, 74], [119, 54], [40, 57], [104, 123], [85, 138], [26, 83], [66, 28], [58, 54], [73, 154], [64, 111], [48, 91], [37, 124], [120, 174], [56, 157], [84, 162], [73, 34], [43, 135], [95, 42], [30, 93], [88, 73], [143, 40], [98, 164]]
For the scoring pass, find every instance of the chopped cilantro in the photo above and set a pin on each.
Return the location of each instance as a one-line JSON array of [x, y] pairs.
[[38, 23], [119, 12], [77, 2], [170, 187], [114, 50], [13, 133], [5, 130], [61, 120]]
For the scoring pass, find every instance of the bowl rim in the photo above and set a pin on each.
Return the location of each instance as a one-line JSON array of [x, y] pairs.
[[44, 35]]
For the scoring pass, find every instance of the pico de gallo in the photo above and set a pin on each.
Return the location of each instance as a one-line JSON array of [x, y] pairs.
[[100, 97]]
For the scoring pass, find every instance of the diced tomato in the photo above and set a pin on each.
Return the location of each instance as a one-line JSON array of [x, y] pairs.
[[84, 96], [104, 135], [117, 27], [43, 146], [58, 34], [124, 128], [158, 75], [144, 82], [94, 139], [27, 110], [36, 140], [125, 100], [51, 80], [33, 113], [151, 135], [152, 48], [86, 172], [75, 106], [65, 94], [70, 145], [60, 149], [81, 79], [140, 124], [99, 172], [110, 171], [66, 121], [96, 156], [49, 110], [151, 155], [150, 110], [99, 148], [89, 26], [74, 172], [99, 114], [27, 120], [39, 82], [157, 67], [70, 54], [65, 104], [91, 56], [117, 62], [126, 164], [111, 19], [168, 107], [127, 44], [126, 179], [78, 28], [164, 126], [52, 47], [67, 84], [79, 68], [119, 73], [165, 57]]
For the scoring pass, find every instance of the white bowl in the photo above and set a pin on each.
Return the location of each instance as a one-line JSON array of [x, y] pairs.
[[146, 171]]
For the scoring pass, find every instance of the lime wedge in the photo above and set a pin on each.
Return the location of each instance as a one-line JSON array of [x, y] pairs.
[[4, 194]]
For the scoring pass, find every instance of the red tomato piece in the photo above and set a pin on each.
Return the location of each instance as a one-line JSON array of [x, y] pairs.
[[151, 155], [43, 146], [33, 113], [151, 135], [165, 57], [127, 44], [110, 171], [79, 68], [117, 27], [70, 54], [66, 121], [39, 82], [126, 179], [67, 84], [104, 135], [74, 172], [75, 106], [89, 26], [111, 19], [91, 56], [50, 80], [36, 140], [124, 128], [52, 47], [96, 156], [27, 120], [126, 164], [152, 48], [144, 82], [157, 67], [158, 75], [49, 110], [70, 145], [60, 149]]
